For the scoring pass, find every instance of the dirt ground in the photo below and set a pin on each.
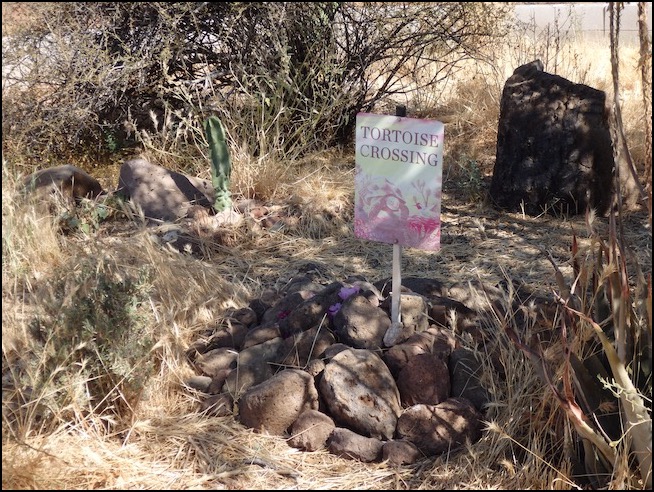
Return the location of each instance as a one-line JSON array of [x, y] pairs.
[[479, 242]]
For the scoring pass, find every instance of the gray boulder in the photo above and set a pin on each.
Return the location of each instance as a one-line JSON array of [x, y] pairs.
[[214, 361], [162, 194], [348, 444], [361, 324], [360, 393], [437, 429], [297, 350], [72, 182], [311, 430], [274, 405], [465, 375], [424, 379], [399, 452]]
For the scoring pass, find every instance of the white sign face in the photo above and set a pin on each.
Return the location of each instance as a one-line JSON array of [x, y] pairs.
[[398, 180]]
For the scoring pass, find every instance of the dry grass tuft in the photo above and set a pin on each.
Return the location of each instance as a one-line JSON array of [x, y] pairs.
[[161, 440]]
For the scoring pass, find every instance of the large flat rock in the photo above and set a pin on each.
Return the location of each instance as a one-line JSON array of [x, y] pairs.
[[162, 194]]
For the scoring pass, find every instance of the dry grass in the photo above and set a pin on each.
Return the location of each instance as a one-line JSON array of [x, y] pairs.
[[164, 442], [168, 444]]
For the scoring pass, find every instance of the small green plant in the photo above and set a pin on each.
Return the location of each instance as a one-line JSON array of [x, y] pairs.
[[93, 344], [87, 215], [111, 142], [221, 166], [471, 179]]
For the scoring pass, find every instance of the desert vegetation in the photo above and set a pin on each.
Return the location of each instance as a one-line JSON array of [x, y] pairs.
[[98, 317]]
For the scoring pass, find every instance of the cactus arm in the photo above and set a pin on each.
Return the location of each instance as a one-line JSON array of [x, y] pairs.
[[221, 166]]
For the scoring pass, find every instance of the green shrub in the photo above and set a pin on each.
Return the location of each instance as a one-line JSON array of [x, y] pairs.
[[285, 77], [93, 343], [470, 179], [87, 215]]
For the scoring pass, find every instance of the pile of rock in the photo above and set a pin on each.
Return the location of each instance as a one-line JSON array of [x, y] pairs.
[[309, 363]]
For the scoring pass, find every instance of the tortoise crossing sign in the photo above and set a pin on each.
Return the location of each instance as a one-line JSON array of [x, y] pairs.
[[398, 180]]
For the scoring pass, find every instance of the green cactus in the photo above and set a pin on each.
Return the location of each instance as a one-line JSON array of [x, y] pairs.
[[221, 166]]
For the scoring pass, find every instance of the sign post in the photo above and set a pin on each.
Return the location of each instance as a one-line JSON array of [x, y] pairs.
[[396, 318], [396, 285], [398, 186]]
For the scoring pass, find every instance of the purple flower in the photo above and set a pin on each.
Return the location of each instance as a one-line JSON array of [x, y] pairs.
[[347, 292], [333, 309]]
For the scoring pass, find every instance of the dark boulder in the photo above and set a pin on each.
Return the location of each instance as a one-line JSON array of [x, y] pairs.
[[554, 150]]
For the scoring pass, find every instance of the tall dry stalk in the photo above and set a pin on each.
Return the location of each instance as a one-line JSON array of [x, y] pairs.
[[602, 381], [645, 64], [628, 183]]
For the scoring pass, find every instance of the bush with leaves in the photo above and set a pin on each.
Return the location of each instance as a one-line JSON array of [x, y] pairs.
[[92, 351], [284, 77], [87, 215]]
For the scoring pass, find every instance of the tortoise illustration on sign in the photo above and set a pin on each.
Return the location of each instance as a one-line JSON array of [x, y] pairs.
[[398, 180]]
